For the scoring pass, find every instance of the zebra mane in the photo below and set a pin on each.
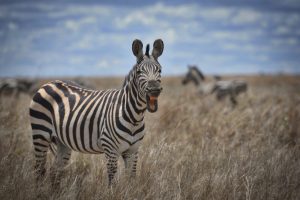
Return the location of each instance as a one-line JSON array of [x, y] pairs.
[[129, 76], [198, 72], [147, 50], [131, 72]]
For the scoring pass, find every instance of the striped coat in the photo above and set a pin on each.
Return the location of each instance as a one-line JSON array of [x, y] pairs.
[[66, 117]]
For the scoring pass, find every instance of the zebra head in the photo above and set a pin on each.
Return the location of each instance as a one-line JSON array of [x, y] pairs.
[[148, 72], [193, 75]]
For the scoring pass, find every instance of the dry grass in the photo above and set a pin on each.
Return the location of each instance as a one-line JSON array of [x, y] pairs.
[[195, 148]]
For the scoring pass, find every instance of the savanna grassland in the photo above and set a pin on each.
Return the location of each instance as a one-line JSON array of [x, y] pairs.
[[194, 148]]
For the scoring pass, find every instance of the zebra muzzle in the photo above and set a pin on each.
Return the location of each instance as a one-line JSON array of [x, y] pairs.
[[152, 104]]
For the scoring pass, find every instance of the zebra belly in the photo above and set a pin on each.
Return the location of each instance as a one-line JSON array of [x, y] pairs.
[[87, 149], [80, 140]]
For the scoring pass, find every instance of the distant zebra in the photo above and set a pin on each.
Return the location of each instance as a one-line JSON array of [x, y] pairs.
[[193, 75], [69, 117], [83, 82], [229, 88], [14, 87], [222, 89]]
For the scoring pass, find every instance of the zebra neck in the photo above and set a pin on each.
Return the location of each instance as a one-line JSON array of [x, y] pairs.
[[134, 104]]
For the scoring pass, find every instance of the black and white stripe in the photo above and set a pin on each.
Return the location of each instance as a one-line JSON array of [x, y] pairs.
[[66, 117]]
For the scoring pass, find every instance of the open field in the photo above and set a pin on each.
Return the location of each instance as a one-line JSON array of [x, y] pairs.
[[194, 148]]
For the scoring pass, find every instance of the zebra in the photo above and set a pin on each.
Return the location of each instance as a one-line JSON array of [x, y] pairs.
[[66, 117], [14, 87], [229, 88], [194, 75], [221, 88]]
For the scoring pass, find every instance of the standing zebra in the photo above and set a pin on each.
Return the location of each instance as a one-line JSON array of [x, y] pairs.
[[66, 117], [195, 75], [230, 88]]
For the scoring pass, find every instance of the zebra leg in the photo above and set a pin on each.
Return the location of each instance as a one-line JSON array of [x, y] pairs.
[[62, 158], [112, 166], [233, 101], [41, 143], [130, 160], [40, 151], [233, 98]]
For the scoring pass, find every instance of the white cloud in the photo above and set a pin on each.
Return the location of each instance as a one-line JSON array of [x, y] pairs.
[[169, 36], [77, 60], [189, 11], [186, 11], [281, 30], [165, 16], [292, 41], [148, 16], [85, 42], [290, 3], [54, 11], [114, 40], [102, 64], [12, 26], [219, 13], [75, 25], [284, 42], [216, 58], [246, 16], [293, 19], [135, 18], [234, 35], [230, 46], [75, 10], [262, 58], [238, 47], [89, 41], [72, 25], [111, 63]]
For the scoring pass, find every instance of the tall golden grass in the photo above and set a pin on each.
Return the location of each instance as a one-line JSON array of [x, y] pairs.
[[195, 148]]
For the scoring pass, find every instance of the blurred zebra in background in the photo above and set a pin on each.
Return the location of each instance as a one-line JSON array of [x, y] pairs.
[[193, 75], [14, 87], [67, 117], [229, 88], [222, 89]]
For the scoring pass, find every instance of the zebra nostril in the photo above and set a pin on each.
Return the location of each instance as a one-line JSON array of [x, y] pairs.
[[155, 91]]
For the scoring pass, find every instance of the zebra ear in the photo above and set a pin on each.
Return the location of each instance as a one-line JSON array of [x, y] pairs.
[[137, 49], [158, 48]]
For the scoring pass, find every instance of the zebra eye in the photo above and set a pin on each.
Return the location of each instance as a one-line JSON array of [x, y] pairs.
[[138, 72], [159, 71]]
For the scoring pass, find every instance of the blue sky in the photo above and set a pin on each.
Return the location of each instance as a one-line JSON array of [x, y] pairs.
[[93, 38]]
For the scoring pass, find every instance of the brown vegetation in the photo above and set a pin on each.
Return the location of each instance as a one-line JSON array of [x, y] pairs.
[[195, 148]]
